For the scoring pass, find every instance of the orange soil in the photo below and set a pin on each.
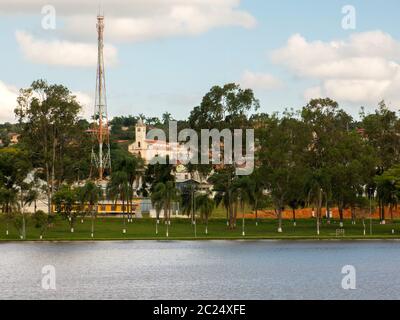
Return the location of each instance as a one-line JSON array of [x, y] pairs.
[[307, 213]]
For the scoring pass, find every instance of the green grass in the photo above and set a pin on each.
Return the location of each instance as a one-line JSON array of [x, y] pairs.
[[141, 229]]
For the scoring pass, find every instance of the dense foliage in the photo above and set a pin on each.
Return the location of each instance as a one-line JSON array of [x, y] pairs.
[[318, 156]]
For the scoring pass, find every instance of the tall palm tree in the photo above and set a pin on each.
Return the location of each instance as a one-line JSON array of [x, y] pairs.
[[222, 186], [81, 202], [167, 194], [158, 202], [92, 194], [222, 197], [243, 193], [31, 198], [132, 166], [118, 189], [9, 202], [205, 205], [188, 201], [65, 203]]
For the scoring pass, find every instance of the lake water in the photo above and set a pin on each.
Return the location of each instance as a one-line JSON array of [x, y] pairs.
[[200, 270]]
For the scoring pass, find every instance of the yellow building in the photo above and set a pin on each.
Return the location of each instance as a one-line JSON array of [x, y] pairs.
[[108, 207]]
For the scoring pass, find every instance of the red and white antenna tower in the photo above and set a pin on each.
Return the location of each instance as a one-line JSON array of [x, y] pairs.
[[101, 158]]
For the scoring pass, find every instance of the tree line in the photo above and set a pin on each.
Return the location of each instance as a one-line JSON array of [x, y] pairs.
[[318, 156]]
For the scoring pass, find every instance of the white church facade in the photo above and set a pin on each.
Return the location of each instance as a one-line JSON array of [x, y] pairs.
[[149, 149]]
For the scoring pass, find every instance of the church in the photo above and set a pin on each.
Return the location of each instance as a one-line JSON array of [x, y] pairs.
[[148, 149]]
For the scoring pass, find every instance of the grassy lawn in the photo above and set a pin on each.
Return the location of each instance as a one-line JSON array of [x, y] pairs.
[[111, 229]]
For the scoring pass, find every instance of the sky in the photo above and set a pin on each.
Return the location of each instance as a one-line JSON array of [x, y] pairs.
[[165, 55]]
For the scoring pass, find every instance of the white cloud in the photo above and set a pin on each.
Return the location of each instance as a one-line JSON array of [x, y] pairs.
[[136, 20], [125, 21], [8, 102], [87, 103], [63, 53], [260, 81], [176, 20], [362, 69]]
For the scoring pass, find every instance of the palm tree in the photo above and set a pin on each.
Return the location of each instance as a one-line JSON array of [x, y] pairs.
[[81, 206], [243, 193], [205, 205], [222, 197], [222, 186], [9, 202], [132, 166], [118, 189], [65, 202], [167, 194], [257, 186], [42, 221], [91, 194], [31, 197], [158, 202], [188, 200]]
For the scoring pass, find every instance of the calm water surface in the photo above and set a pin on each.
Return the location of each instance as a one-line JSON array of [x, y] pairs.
[[200, 270]]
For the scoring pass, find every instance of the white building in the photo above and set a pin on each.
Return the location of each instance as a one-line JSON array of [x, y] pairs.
[[149, 149]]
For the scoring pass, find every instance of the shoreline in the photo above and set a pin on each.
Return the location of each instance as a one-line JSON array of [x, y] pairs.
[[249, 239]]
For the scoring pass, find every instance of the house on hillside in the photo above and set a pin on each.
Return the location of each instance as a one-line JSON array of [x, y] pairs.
[[14, 138]]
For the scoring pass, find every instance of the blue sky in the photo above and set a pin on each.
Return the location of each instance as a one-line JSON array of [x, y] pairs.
[[159, 72]]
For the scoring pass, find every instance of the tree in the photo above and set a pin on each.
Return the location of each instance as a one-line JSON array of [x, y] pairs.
[[205, 205], [222, 181], [257, 185], [32, 197], [9, 205], [52, 133], [381, 129], [327, 123], [156, 173], [188, 196], [158, 202], [364, 208], [14, 169], [91, 194], [19, 224], [283, 143], [118, 189], [388, 190], [243, 193], [133, 168], [223, 107], [352, 167], [42, 221], [166, 194], [65, 200]]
